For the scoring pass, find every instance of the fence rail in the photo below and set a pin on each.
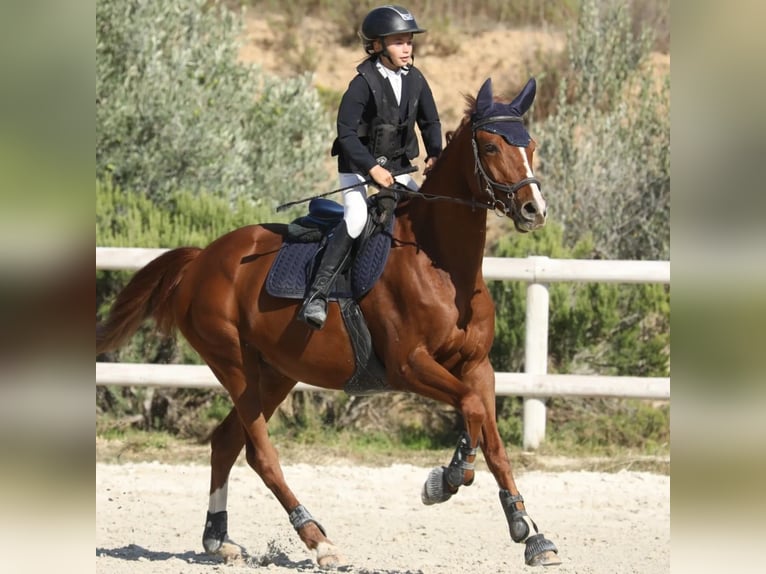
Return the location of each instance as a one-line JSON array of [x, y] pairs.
[[534, 385], [506, 384]]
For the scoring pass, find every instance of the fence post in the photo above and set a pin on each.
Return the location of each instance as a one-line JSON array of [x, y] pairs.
[[535, 357]]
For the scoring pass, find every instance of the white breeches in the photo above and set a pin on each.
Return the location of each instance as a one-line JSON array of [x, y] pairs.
[[355, 200]]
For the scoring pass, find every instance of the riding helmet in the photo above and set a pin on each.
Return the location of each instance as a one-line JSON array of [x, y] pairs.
[[386, 21]]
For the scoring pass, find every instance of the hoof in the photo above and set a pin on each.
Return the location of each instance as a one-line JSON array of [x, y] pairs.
[[547, 558], [434, 491], [228, 550], [541, 552], [215, 534], [328, 556], [224, 548], [211, 545], [231, 553]]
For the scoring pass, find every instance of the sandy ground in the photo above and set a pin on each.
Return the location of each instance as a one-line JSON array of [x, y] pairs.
[[150, 516]]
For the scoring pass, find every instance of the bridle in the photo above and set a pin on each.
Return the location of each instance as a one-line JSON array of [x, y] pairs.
[[490, 185]]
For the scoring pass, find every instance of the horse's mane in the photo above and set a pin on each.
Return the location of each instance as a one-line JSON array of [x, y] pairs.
[[470, 102], [450, 134]]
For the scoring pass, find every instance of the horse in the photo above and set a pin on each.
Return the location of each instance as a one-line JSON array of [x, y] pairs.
[[430, 318]]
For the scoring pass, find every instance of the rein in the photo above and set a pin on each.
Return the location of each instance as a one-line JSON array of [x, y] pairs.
[[401, 190]]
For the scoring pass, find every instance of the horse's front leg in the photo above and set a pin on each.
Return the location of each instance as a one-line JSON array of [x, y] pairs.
[[444, 481], [430, 379], [255, 406], [539, 551], [475, 397]]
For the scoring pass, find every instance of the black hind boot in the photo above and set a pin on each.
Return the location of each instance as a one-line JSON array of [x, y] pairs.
[[314, 310]]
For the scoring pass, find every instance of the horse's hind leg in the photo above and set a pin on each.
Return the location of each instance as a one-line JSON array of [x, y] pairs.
[[226, 443]]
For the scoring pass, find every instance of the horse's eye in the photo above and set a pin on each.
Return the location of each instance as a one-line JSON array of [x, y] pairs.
[[490, 148]]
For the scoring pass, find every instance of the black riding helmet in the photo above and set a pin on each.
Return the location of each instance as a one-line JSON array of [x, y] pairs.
[[386, 21]]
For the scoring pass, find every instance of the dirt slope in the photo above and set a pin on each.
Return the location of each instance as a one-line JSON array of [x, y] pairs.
[[499, 54]]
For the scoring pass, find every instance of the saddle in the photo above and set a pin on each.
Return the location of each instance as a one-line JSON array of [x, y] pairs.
[[293, 269], [291, 274]]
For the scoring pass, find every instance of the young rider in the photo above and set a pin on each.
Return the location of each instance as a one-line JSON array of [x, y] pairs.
[[376, 135]]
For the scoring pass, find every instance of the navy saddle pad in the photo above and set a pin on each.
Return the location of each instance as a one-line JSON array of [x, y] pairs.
[[297, 258]]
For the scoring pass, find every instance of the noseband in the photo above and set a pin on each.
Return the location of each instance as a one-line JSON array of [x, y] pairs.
[[491, 185]]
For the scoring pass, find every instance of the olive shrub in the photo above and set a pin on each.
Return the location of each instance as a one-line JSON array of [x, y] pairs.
[[176, 109]]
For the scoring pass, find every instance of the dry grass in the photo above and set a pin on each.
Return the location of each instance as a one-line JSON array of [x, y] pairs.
[[151, 447]]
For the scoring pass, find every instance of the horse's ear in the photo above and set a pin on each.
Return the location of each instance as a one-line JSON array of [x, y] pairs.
[[485, 99], [521, 103]]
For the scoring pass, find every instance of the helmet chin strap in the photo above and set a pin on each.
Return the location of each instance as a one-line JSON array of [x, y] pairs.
[[384, 52]]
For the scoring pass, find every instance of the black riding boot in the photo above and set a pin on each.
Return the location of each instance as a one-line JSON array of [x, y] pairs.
[[314, 310]]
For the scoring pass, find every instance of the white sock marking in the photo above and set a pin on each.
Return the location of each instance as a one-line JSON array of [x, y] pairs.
[[218, 498]]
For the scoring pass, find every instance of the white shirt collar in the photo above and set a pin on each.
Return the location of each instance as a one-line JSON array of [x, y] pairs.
[[394, 78], [388, 72]]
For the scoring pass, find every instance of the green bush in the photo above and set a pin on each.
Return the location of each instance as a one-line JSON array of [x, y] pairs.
[[604, 154], [125, 219], [594, 328], [601, 120], [605, 165], [175, 109], [130, 219], [602, 328]]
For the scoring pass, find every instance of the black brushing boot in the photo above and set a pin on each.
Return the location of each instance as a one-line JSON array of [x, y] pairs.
[[314, 309]]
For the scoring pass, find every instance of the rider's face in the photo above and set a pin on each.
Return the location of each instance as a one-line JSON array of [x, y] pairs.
[[399, 47]]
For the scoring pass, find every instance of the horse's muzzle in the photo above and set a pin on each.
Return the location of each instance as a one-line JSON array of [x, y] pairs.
[[531, 216]]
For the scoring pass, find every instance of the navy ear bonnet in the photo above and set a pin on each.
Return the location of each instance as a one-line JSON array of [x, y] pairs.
[[513, 132]]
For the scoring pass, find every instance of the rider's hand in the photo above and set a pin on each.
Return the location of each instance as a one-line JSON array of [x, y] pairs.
[[429, 164], [381, 176]]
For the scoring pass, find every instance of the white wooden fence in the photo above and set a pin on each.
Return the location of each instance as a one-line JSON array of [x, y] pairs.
[[534, 385]]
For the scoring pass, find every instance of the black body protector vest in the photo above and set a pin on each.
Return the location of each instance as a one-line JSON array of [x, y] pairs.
[[390, 135]]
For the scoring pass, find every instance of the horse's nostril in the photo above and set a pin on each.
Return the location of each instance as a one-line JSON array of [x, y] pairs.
[[529, 209]]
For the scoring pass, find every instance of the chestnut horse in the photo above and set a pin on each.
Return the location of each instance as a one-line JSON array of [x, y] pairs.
[[430, 317]]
